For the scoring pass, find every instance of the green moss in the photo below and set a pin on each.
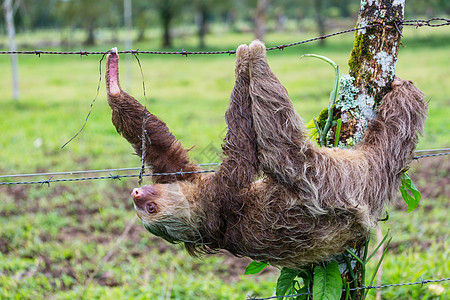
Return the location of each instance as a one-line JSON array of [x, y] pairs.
[[360, 50], [323, 116]]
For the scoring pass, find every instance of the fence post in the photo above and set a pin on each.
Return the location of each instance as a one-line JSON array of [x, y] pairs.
[[128, 19], [9, 19]]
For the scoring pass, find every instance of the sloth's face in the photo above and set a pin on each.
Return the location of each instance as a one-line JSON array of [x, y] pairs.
[[166, 212]]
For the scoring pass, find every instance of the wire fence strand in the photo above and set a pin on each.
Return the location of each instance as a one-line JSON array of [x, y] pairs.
[[89, 171], [358, 288], [432, 22], [432, 150], [51, 180], [431, 155], [111, 176]]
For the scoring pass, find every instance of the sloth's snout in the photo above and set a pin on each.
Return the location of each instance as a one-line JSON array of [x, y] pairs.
[[143, 194], [137, 193]]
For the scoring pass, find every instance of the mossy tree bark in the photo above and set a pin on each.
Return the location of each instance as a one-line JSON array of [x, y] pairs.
[[374, 55], [372, 67]]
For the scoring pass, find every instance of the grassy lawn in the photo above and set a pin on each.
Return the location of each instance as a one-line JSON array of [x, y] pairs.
[[53, 238]]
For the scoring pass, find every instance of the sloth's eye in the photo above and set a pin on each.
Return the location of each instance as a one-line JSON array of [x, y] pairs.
[[151, 207]]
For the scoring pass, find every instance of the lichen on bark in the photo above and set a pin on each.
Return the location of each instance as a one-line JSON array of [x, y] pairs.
[[372, 65]]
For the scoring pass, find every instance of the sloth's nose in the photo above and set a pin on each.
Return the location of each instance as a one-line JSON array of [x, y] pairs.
[[137, 193], [143, 194]]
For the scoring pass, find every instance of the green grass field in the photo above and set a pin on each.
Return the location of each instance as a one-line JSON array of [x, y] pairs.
[[53, 238]]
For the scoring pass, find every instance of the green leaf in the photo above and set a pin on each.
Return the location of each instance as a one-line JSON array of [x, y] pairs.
[[327, 283], [323, 132], [324, 58], [378, 247], [338, 132], [255, 267], [378, 265], [407, 187], [303, 290], [286, 280], [313, 133]]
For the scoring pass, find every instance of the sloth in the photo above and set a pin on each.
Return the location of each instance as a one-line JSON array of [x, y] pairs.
[[276, 196]]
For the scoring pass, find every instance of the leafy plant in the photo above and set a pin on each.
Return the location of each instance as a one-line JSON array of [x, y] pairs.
[[409, 192], [338, 132], [322, 132], [327, 283], [255, 267], [288, 283]]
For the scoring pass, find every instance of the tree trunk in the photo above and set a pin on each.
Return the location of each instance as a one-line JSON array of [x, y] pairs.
[[90, 39], [9, 19], [372, 68], [320, 20], [260, 19], [141, 35], [166, 15], [127, 16], [202, 25]]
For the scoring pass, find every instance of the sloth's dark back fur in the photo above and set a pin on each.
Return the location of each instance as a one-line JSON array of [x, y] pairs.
[[277, 197]]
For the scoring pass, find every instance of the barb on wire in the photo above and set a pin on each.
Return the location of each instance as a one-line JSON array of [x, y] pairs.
[[46, 181], [433, 22], [422, 282]]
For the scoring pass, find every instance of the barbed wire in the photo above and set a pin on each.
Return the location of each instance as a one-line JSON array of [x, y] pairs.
[[50, 180], [432, 22], [89, 171], [431, 155], [199, 165], [432, 150], [181, 172], [358, 288]]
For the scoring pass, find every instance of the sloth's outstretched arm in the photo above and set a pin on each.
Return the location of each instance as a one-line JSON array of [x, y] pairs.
[[163, 152], [281, 139], [239, 165]]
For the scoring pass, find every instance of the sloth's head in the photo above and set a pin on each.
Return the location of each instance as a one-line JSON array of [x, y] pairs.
[[166, 211]]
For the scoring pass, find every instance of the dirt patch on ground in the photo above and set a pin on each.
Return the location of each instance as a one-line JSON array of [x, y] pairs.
[[432, 176]]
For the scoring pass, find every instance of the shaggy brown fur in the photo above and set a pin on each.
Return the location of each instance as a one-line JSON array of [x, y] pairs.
[[309, 204], [164, 154]]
